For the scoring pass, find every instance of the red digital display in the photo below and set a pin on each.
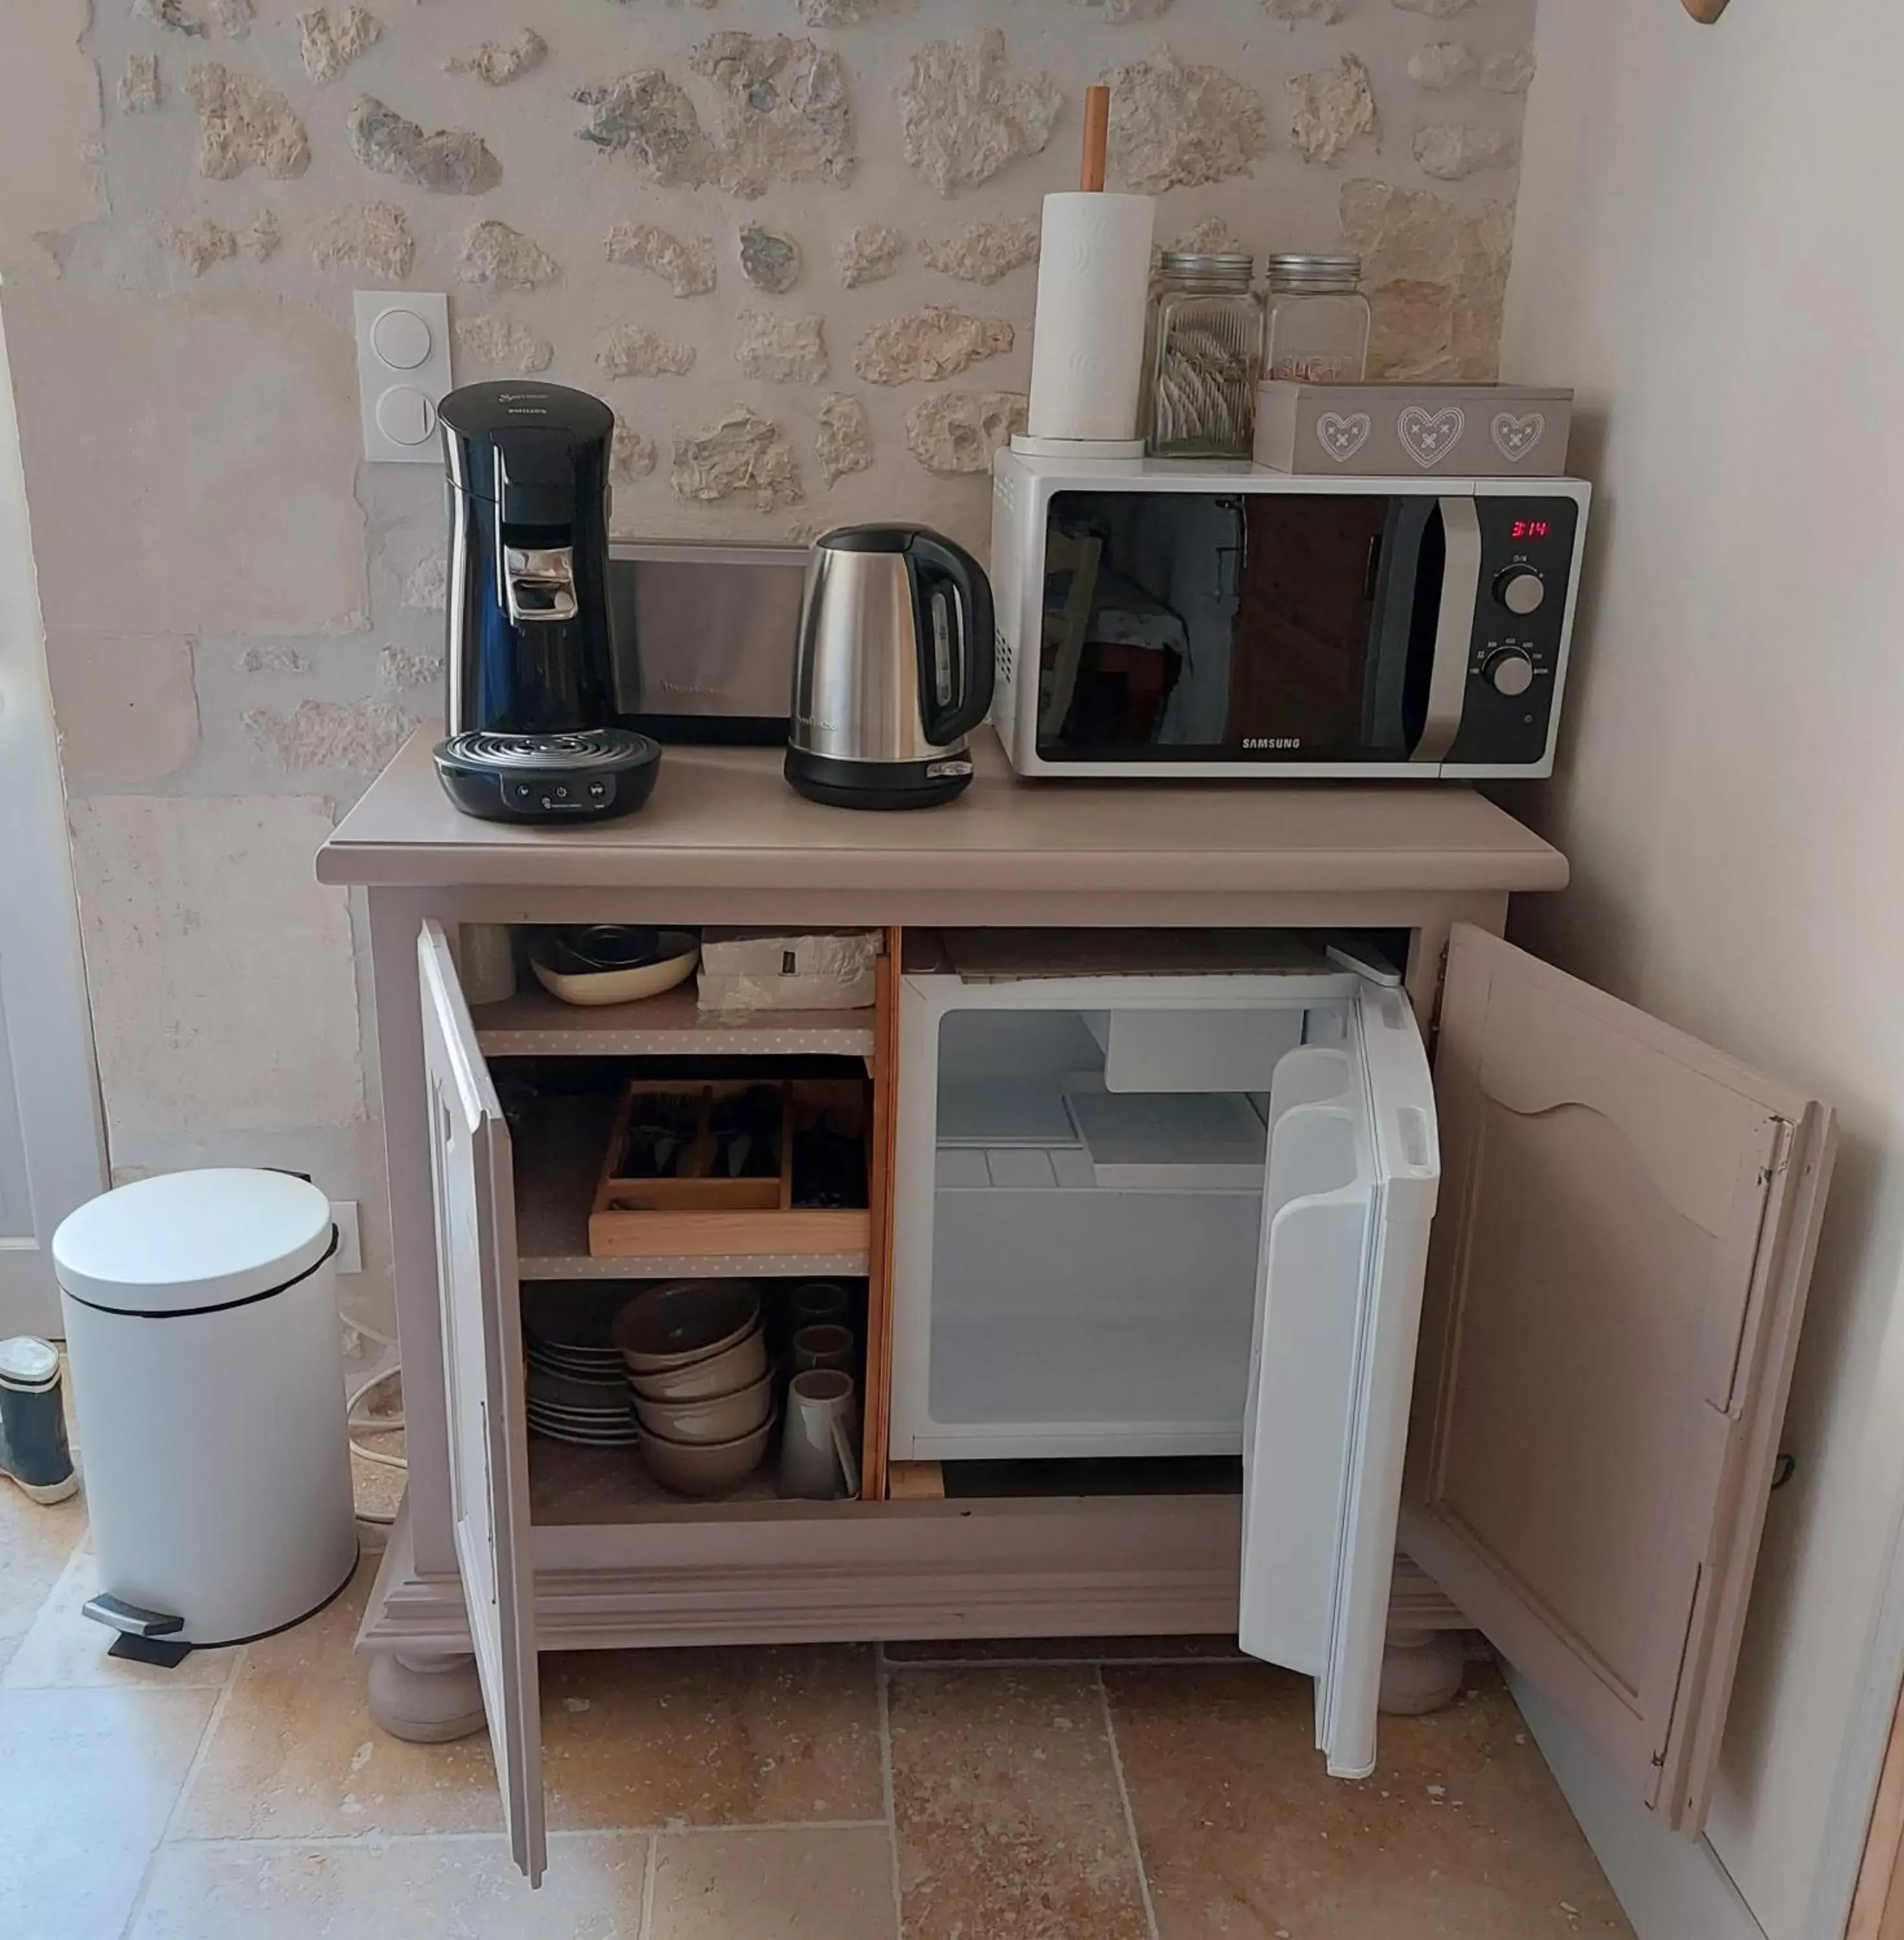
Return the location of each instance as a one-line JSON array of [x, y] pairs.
[[1532, 529]]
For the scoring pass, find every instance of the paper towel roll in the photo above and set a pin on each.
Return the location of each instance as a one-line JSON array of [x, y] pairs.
[[1088, 345]]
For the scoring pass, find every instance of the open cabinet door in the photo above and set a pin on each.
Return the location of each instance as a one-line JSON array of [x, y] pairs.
[[1353, 1175], [1628, 1221], [471, 1168]]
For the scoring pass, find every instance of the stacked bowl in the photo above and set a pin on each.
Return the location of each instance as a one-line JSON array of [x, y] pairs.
[[696, 1360]]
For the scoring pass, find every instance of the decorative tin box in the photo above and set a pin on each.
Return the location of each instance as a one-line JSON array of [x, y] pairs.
[[1461, 431]]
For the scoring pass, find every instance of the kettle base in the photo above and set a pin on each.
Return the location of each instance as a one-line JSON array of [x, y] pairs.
[[840, 784]]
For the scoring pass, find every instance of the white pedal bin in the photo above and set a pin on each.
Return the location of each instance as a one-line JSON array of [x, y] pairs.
[[208, 1380]]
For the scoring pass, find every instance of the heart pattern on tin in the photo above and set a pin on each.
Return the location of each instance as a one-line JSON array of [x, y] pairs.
[[1515, 438], [1428, 436], [1342, 437]]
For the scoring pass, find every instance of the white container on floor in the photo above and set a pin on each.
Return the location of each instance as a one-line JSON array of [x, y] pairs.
[[208, 1380]]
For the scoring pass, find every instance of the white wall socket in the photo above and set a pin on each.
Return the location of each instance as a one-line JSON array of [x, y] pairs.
[[402, 371], [350, 1241]]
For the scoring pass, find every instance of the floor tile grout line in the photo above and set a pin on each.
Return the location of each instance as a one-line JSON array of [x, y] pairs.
[[200, 1751], [1130, 1812], [647, 1927], [883, 1684], [374, 1836]]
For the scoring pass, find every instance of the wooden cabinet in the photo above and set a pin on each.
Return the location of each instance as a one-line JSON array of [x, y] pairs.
[[1613, 1275], [1580, 1240]]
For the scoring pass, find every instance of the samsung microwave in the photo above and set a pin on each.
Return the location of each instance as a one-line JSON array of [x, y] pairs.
[[1192, 618]]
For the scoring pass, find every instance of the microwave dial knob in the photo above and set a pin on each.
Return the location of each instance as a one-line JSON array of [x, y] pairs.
[[1521, 590], [1509, 671]]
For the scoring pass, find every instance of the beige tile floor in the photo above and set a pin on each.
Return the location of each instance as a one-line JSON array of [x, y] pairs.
[[1037, 1791]]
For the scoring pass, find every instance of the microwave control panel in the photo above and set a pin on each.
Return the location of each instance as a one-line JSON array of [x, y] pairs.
[[1519, 615]]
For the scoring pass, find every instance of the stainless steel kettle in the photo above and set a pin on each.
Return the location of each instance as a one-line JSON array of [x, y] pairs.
[[892, 668]]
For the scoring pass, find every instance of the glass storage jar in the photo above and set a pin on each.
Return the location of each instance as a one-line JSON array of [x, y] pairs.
[[1203, 358], [1318, 320]]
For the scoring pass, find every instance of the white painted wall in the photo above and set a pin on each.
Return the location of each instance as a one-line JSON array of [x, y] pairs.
[[1708, 246], [52, 1154]]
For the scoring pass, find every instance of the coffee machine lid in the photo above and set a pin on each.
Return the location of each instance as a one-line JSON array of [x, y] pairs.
[[520, 431]]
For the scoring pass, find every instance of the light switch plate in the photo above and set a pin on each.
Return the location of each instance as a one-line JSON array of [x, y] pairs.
[[402, 371]]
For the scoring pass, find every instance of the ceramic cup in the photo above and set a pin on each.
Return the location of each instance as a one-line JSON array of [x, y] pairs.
[[816, 1300], [818, 1459], [824, 1344]]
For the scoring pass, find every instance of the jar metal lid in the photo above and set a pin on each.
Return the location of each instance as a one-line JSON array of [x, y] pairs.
[[1221, 266], [1296, 270]]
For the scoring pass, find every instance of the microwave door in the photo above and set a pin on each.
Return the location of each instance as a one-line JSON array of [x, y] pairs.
[[1426, 574]]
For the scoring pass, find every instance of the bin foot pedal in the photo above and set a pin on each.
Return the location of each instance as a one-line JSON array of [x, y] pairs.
[[161, 1652]]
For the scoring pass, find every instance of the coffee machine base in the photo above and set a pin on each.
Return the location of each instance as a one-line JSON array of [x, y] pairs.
[[878, 784], [592, 777]]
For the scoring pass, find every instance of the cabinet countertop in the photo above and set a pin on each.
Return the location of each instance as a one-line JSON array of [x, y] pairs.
[[723, 818]]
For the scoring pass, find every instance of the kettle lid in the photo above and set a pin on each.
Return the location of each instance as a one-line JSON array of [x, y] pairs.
[[869, 538]]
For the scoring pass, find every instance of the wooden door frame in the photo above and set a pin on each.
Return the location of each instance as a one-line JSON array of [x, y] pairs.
[[42, 975]]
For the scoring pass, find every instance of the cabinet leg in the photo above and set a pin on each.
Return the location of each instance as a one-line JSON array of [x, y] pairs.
[[1421, 1671], [427, 1700]]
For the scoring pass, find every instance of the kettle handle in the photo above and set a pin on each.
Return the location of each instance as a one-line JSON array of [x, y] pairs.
[[930, 558]]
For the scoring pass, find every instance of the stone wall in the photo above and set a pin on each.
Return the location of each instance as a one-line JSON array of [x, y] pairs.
[[792, 241]]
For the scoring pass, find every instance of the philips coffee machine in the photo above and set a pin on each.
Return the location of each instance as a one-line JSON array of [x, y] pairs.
[[530, 663]]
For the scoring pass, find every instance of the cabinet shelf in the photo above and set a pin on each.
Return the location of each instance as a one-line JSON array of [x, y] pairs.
[[533, 1024], [558, 1144]]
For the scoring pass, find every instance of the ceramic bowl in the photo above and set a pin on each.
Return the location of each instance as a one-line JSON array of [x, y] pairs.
[[716, 1418], [739, 1366], [628, 986], [706, 1468], [686, 1320]]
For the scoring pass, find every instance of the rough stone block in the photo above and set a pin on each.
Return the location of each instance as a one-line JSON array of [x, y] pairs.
[[224, 992], [965, 111], [232, 18], [405, 667], [372, 236], [1435, 9], [984, 252], [844, 13], [200, 244], [140, 89], [925, 344], [1211, 236], [780, 349], [1435, 277], [499, 63], [630, 454], [684, 263], [1453, 152], [1442, 64], [1323, 13], [954, 432], [769, 260], [1118, 13], [1176, 125], [452, 161], [125, 709], [232, 511], [650, 120], [258, 240], [175, 16], [784, 113], [244, 122], [1331, 108], [425, 587], [870, 255], [275, 658], [498, 257], [1510, 71], [745, 457], [845, 443], [628, 350], [328, 43], [503, 343], [350, 737]]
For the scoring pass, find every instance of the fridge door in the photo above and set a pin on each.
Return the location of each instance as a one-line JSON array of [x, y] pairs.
[[1352, 1172], [470, 1170], [1613, 1302]]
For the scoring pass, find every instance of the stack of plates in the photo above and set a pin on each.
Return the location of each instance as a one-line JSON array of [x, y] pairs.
[[577, 1384]]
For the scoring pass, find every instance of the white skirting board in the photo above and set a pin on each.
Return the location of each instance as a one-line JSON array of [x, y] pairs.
[[1672, 1888]]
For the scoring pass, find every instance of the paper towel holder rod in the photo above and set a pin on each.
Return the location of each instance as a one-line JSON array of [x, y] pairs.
[[1098, 134]]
